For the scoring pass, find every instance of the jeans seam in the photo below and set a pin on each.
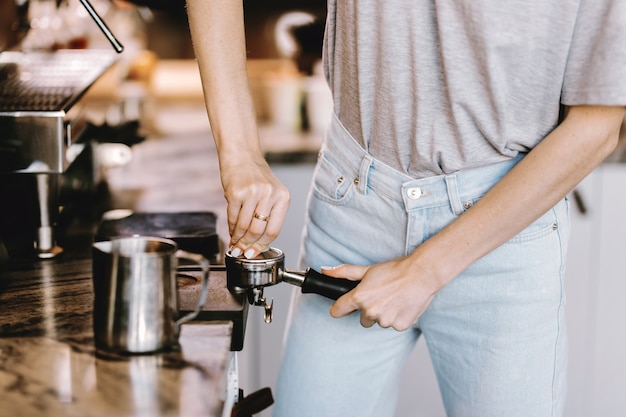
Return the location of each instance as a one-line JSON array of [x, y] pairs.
[[560, 312]]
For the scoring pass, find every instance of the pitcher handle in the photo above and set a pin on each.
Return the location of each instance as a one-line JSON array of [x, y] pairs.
[[204, 264]]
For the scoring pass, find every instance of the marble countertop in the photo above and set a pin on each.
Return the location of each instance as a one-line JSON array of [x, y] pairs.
[[49, 366]]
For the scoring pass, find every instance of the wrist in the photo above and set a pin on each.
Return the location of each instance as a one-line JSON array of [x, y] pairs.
[[435, 264], [240, 156]]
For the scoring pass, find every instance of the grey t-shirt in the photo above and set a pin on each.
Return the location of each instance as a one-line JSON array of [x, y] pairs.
[[434, 86]]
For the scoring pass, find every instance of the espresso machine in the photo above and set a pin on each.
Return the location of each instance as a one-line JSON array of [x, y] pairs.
[[42, 130]]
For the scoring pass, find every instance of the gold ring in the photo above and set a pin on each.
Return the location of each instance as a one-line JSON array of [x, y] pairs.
[[261, 217]]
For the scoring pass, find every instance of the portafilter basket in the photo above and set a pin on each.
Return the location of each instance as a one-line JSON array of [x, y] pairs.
[[250, 276]]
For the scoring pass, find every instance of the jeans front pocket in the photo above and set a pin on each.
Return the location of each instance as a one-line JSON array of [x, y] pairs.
[[333, 183], [544, 226]]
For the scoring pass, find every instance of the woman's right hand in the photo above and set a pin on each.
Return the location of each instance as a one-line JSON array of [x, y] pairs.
[[257, 204], [257, 201]]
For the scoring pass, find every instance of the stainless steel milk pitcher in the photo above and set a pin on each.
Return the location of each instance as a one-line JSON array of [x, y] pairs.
[[135, 294]]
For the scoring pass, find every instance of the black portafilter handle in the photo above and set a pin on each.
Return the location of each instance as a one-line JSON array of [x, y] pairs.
[[333, 288]]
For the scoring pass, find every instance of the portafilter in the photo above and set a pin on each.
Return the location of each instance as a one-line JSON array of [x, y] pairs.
[[250, 276]]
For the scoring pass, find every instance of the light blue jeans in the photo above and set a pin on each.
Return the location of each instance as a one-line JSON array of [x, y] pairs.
[[496, 334]]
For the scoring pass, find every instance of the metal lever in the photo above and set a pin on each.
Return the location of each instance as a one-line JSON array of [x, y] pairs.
[[103, 26]]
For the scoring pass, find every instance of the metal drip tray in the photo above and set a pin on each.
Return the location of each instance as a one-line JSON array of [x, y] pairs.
[[39, 118], [36, 82]]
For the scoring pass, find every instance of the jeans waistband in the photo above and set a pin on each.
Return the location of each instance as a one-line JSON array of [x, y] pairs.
[[452, 189]]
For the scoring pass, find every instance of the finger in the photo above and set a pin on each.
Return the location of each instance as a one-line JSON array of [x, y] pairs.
[[344, 305], [259, 220], [255, 244], [244, 237], [242, 203], [252, 243], [254, 212], [232, 214], [276, 213], [347, 303], [366, 321], [245, 220], [264, 227], [347, 271]]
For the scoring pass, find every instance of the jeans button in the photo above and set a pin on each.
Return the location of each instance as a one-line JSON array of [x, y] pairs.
[[414, 193]]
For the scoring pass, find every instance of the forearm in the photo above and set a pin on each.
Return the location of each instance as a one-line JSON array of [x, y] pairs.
[[257, 202], [218, 34], [537, 183]]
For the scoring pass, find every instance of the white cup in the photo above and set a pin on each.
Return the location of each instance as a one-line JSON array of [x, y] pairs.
[[319, 104], [283, 101]]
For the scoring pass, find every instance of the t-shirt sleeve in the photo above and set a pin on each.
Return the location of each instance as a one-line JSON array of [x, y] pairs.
[[596, 66]]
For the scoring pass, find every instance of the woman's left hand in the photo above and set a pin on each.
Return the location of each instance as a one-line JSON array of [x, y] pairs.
[[392, 294]]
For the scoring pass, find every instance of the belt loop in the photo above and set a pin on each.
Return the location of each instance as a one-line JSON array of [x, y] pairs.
[[453, 194], [361, 180]]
